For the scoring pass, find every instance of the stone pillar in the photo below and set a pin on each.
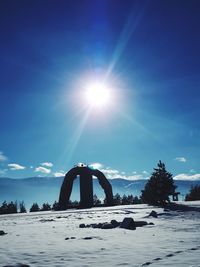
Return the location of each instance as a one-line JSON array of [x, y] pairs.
[[86, 188]]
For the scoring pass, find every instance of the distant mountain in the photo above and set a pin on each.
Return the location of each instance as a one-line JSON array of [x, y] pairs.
[[46, 189]]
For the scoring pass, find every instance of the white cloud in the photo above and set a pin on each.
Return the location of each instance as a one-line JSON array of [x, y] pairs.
[[115, 174], [110, 172], [184, 176], [42, 169], [181, 159], [2, 156], [47, 164], [59, 174], [96, 165], [16, 167]]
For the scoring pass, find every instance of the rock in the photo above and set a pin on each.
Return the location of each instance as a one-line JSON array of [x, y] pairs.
[[128, 223], [140, 223], [151, 223], [2, 232], [154, 214], [94, 225], [67, 238], [87, 238], [107, 226], [17, 265], [82, 225], [115, 223], [47, 220], [99, 225]]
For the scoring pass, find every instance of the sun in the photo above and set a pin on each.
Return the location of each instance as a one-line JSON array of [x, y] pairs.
[[97, 94]]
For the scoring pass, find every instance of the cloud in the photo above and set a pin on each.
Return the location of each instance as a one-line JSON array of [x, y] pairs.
[[181, 159], [47, 164], [59, 174], [42, 169], [96, 165], [16, 167], [115, 174], [2, 156], [110, 172], [184, 176]]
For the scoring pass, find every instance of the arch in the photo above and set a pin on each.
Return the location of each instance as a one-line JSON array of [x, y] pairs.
[[86, 186], [104, 183]]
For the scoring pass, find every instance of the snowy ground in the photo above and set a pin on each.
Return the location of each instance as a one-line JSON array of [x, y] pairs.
[[55, 239]]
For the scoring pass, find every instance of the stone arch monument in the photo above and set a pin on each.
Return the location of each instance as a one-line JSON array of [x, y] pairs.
[[86, 186]]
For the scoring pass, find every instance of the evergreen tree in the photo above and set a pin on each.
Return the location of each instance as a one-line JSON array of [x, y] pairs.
[[159, 186], [96, 201], [45, 207], [125, 200], [22, 208], [4, 208], [117, 200], [34, 207], [194, 193], [55, 206], [12, 207]]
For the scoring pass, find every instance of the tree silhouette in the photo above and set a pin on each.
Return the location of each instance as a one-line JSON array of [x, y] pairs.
[[159, 186], [55, 206], [22, 208], [34, 207], [45, 207], [96, 201], [194, 193], [117, 200], [8, 208]]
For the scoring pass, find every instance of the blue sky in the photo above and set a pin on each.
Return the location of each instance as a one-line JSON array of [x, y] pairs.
[[147, 51]]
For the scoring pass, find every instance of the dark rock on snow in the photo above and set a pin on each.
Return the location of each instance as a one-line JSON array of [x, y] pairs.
[[153, 213], [2, 232], [82, 225], [107, 226], [140, 223], [115, 223], [17, 265], [128, 223]]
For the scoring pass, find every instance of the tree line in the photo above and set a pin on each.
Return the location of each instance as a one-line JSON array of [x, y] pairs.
[[157, 191], [14, 207]]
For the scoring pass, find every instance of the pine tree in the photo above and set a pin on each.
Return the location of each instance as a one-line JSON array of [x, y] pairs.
[[46, 207], [34, 207], [117, 200], [22, 208], [96, 201], [194, 193], [159, 186]]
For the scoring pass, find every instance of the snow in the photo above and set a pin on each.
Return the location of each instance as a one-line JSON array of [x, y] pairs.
[[55, 239]]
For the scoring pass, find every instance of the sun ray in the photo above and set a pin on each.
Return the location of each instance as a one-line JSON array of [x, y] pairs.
[[77, 136]]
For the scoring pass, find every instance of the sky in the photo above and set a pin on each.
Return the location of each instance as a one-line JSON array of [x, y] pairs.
[[147, 55]]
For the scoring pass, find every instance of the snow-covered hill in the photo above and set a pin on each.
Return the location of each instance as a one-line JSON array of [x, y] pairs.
[[55, 238]]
